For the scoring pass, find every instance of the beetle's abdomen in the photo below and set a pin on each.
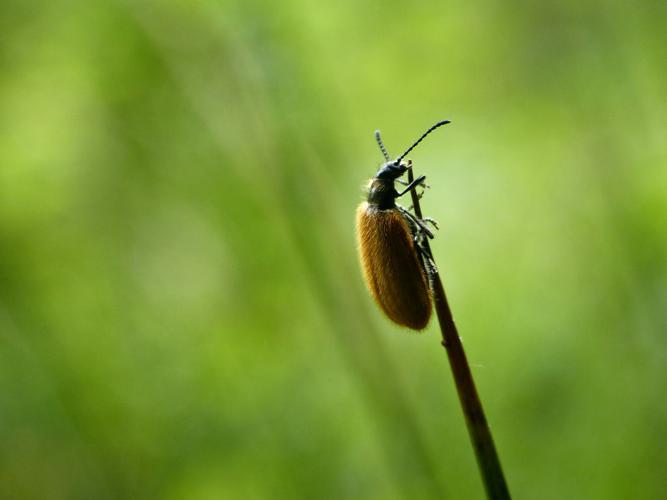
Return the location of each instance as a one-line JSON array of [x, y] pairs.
[[391, 266]]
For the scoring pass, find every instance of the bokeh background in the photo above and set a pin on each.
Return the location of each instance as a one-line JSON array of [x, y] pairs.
[[181, 310]]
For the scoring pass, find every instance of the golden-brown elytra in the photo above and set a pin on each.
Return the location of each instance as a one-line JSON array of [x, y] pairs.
[[393, 263]]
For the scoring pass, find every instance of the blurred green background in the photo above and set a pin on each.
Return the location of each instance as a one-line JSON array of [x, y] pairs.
[[181, 310]]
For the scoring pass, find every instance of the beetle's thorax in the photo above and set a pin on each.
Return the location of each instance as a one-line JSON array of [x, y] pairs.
[[381, 193]]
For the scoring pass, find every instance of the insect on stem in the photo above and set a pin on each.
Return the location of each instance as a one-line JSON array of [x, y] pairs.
[[401, 275]]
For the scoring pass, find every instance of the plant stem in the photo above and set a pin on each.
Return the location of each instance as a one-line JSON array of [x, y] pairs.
[[478, 428]]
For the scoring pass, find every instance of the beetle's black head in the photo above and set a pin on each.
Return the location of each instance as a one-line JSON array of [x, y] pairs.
[[391, 170]]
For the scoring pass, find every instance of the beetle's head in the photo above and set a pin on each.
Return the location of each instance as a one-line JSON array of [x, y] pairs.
[[391, 170]]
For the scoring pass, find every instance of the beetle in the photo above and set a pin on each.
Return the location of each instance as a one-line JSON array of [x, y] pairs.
[[394, 261]]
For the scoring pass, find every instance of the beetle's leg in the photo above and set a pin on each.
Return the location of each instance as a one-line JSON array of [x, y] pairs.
[[422, 227], [402, 182], [422, 257], [414, 183], [431, 221], [419, 233], [424, 185], [419, 197], [415, 221], [415, 229], [425, 259]]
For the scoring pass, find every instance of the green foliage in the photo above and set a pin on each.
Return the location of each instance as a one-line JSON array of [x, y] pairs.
[[181, 311]]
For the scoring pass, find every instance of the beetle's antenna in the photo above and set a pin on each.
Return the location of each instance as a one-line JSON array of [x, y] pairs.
[[439, 124], [381, 144]]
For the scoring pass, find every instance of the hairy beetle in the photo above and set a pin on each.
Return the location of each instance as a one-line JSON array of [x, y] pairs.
[[394, 263]]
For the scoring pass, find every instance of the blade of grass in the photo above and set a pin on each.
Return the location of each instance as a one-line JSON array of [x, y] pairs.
[[478, 428]]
